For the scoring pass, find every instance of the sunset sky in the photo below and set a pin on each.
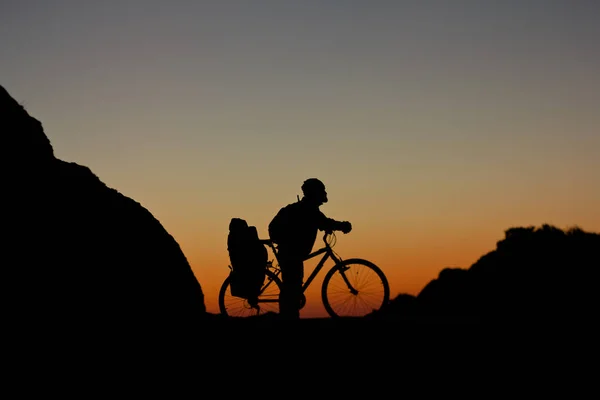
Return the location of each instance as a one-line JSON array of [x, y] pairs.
[[436, 125]]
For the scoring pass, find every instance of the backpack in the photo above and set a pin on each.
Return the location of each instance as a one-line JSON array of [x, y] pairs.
[[277, 226], [248, 258]]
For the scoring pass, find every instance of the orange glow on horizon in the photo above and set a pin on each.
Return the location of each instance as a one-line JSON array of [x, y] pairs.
[[408, 267]]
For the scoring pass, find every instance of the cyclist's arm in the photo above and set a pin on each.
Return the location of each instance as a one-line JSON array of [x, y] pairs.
[[329, 224]]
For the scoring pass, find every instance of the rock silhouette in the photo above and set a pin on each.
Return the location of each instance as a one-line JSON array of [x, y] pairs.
[[534, 272], [77, 253]]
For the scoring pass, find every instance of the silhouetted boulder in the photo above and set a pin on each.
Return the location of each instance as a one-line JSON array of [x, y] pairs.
[[454, 286], [77, 254], [404, 305], [533, 273]]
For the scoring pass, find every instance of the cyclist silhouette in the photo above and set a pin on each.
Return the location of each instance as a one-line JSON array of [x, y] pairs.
[[294, 229]]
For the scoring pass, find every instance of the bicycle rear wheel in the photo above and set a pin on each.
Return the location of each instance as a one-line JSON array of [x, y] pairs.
[[354, 288], [268, 300]]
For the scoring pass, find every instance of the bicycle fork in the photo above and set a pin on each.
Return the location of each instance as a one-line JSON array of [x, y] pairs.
[[345, 278]]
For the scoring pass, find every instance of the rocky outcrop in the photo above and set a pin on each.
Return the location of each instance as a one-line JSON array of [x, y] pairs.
[[79, 254], [533, 273]]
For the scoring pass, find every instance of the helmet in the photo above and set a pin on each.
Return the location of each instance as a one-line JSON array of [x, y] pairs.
[[313, 187]]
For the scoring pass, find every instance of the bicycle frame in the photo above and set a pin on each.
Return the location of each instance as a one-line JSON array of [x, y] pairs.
[[327, 252], [346, 271]]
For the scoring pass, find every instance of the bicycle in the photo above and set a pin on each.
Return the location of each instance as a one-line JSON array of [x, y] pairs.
[[351, 288]]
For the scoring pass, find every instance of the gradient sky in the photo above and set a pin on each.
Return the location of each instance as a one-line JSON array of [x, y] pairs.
[[436, 125]]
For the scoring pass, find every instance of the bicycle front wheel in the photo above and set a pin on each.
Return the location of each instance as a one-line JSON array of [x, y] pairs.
[[354, 288], [268, 299]]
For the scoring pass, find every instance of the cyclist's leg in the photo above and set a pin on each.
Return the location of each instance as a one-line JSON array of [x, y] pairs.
[[292, 274]]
